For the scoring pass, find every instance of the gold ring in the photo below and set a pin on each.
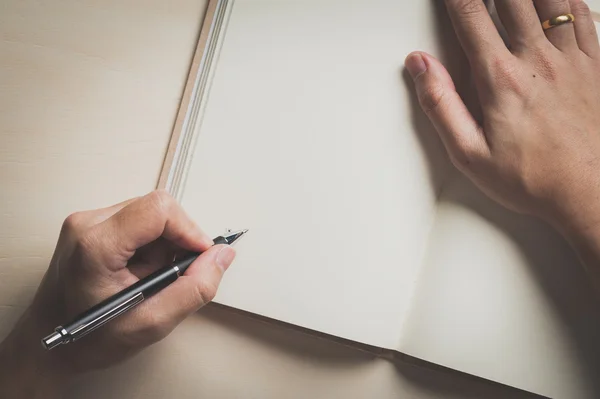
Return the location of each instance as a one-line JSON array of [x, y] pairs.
[[561, 19]]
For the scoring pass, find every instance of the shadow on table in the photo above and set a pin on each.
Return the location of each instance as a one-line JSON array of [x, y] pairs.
[[308, 346], [449, 383], [292, 340]]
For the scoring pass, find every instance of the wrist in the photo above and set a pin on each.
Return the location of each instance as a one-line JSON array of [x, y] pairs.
[[27, 370]]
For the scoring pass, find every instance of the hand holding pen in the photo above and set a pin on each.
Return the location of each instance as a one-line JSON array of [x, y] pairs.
[[106, 253], [130, 297]]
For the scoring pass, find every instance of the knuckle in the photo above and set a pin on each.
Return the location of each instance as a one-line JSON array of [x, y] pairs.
[[73, 223], [544, 63], [557, 4], [502, 65], [163, 195], [580, 8], [160, 201], [431, 98], [466, 7], [508, 76]]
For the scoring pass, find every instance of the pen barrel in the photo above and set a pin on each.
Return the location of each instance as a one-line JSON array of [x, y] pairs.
[[220, 240], [183, 264], [121, 302]]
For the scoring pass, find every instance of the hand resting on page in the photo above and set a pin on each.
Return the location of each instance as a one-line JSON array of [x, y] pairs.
[[537, 148]]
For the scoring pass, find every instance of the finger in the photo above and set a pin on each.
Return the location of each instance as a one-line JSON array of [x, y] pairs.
[[585, 28], [461, 134], [197, 287], [562, 36], [476, 31], [521, 22], [146, 219]]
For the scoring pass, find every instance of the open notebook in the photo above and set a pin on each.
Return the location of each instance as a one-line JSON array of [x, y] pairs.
[[299, 123]]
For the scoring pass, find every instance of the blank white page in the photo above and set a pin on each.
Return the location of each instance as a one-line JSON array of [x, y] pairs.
[[309, 140], [502, 296]]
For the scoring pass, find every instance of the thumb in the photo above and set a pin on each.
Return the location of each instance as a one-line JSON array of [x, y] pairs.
[[459, 131], [197, 287]]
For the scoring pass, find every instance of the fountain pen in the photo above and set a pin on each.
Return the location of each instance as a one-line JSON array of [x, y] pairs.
[[130, 297]]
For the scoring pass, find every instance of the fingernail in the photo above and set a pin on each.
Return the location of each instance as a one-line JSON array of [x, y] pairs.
[[415, 65], [225, 257]]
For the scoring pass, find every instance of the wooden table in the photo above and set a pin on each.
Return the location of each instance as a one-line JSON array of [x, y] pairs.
[[88, 95]]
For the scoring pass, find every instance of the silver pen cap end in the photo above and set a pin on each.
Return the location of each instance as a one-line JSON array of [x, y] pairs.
[[53, 340]]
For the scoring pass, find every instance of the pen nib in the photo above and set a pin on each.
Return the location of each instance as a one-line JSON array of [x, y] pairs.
[[233, 236]]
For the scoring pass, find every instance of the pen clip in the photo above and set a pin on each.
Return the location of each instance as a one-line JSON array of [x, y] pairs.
[[85, 329]]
